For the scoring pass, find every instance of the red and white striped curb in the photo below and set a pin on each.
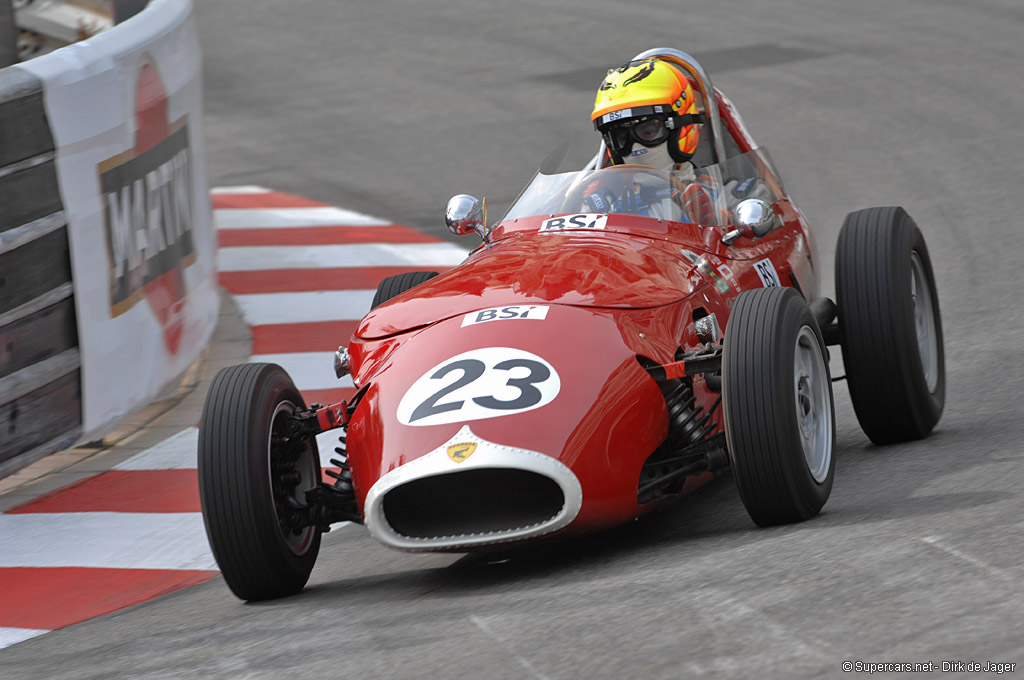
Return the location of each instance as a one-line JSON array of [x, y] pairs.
[[302, 273], [110, 541]]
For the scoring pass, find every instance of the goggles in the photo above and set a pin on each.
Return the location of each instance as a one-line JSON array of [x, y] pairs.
[[649, 131]]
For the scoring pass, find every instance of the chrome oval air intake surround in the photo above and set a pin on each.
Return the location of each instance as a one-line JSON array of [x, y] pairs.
[[470, 492]]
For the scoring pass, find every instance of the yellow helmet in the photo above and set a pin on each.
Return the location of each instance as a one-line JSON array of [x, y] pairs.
[[647, 102]]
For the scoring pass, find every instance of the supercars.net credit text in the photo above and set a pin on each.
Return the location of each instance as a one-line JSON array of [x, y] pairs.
[[929, 667]]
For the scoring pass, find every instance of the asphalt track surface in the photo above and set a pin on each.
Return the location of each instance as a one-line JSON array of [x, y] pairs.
[[390, 108]]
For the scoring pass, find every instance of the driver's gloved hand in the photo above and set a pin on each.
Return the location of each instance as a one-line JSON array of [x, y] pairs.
[[651, 195], [598, 202], [737, 190], [696, 204]]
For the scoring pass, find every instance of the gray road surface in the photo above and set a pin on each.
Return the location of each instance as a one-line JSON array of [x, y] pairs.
[[391, 107]]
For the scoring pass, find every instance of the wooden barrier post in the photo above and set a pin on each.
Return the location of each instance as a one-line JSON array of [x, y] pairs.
[[8, 34]]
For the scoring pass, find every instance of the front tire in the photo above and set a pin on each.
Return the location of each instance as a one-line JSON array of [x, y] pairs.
[[890, 325], [250, 473], [777, 400], [395, 285]]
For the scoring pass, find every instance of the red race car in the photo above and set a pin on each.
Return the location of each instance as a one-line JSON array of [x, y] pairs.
[[602, 352]]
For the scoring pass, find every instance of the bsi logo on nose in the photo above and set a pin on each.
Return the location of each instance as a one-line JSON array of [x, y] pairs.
[[587, 221], [536, 312]]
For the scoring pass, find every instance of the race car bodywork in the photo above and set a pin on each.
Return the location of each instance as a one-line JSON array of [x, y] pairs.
[[581, 367]]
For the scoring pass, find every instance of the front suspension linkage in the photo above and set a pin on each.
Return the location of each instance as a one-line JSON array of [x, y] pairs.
[[325, 503]]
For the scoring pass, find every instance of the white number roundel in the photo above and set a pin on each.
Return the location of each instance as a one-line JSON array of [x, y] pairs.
[[482, 383]]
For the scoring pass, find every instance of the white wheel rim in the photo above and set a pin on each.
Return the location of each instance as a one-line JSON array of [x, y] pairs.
[[306, 467], [924, 321], [813, 404]]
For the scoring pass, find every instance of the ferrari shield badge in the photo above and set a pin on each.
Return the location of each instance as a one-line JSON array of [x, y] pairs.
[[460, 452]]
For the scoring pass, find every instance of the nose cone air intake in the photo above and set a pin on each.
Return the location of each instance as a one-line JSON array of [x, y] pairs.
[[471, 492]]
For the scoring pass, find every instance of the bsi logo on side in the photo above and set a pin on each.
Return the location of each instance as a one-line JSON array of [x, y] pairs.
[[766, 270]]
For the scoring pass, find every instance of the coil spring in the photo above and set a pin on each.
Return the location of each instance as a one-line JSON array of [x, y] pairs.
[[342, 479], [686, 424]]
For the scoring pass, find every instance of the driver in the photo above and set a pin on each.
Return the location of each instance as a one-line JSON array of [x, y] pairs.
[[647, 114]]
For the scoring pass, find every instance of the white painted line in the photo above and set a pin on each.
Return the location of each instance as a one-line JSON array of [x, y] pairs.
[[308, 370], [262, 258], [329, 305], [275, 218], [995, 571], [245, 189], [112, 540], [12, 636], [735, 610], [177, 452], [521, 660]]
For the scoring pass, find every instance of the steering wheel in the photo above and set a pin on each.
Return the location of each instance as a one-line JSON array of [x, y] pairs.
[[574, 200]]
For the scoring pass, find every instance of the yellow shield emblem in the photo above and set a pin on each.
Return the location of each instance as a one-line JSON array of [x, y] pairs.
[[460, 452]]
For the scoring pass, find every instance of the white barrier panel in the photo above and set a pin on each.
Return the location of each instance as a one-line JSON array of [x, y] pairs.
[[125, 108]]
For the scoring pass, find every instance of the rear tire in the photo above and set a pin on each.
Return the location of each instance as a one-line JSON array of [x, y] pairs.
[[890, 325], [397, 284], [244, 488], [777, 400]]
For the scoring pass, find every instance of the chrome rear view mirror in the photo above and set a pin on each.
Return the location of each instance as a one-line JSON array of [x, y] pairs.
[[756, 216], [753, 217], [467, 214]]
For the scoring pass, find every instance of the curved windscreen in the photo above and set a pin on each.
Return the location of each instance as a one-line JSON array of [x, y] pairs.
[[706, 196]]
